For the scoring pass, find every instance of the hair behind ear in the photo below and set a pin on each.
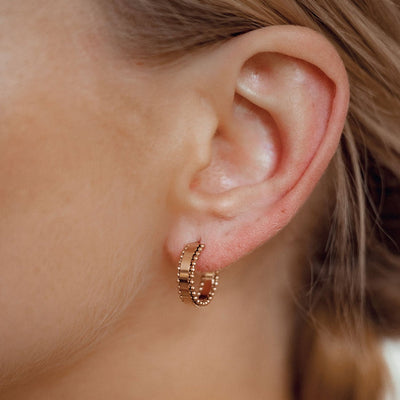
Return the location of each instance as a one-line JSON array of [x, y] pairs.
[[332, 365]]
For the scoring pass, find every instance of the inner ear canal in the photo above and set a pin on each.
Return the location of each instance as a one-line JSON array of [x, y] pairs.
[[245, 150]]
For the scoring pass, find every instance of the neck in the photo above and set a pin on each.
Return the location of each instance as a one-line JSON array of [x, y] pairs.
[[235, 348]]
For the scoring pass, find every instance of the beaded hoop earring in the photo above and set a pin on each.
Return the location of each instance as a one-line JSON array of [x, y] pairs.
[[186, 277]]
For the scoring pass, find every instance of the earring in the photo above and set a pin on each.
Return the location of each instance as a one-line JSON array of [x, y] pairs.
[[186, 277]]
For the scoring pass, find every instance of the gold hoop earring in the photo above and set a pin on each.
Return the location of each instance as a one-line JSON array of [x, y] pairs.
[[186, 277]]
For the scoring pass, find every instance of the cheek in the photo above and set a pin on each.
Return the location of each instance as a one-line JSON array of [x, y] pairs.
[[74, 218]]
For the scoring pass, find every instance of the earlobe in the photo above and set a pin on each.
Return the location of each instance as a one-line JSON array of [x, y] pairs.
[[276, 136]]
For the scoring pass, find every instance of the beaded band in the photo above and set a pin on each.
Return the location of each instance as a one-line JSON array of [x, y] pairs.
[[186, 277]]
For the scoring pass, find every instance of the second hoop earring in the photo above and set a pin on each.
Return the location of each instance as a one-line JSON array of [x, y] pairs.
[[186, 278]]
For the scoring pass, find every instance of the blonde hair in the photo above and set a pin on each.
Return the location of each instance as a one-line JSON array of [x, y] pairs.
[[352, 297]]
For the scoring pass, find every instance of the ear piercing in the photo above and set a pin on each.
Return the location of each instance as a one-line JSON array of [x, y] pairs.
[[186, 277]]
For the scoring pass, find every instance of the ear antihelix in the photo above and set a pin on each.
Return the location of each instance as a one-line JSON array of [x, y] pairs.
[[245, 150]]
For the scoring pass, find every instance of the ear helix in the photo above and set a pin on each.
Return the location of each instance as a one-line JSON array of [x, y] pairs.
[[186, 278]]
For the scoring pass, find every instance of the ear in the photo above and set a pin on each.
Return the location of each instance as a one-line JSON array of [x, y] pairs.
[[280, 97]]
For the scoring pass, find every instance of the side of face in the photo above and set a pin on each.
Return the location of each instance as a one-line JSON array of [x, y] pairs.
[[79, 147]]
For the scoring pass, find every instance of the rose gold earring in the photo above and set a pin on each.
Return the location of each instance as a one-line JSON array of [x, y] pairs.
[[186, 277]]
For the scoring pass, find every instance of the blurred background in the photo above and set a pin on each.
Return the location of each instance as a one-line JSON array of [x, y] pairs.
[[392, 353]]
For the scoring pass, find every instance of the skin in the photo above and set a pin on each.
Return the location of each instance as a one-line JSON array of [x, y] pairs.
[[108, 167]]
